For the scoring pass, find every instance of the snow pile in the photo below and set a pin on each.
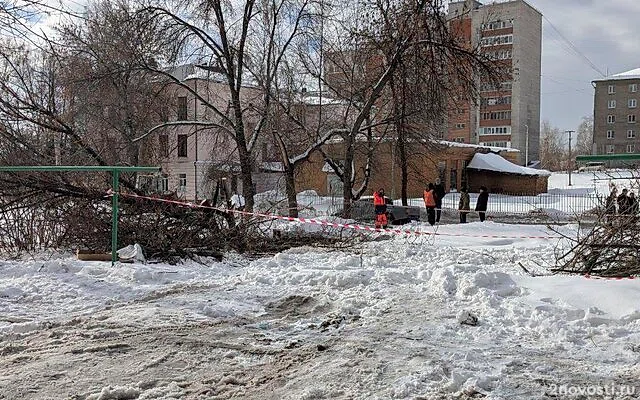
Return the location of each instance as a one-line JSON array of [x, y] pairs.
[[451, 315]]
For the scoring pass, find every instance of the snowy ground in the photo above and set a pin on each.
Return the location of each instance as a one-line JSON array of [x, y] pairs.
[[379, 321]]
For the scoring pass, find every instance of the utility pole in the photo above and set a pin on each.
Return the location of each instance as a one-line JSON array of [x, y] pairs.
[[526, 147], [570, 158]]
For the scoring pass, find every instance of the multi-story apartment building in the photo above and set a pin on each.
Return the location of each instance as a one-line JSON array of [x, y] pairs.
[[615, 113], [505, 114]]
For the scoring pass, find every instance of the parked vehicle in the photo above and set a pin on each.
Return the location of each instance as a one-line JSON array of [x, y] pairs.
[[362, 210], [592, 166]]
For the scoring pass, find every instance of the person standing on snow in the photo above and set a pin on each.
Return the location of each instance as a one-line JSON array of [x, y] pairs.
[[380, 208], [632, 203], [464, 205], [440, 193], [481, 204], [623, 202], [610, 203], [430, 203]]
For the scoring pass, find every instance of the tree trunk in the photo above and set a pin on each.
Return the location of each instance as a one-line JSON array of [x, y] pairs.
[[399, 111], [246, 169], [404, 170], [292, 200], [347, 192]]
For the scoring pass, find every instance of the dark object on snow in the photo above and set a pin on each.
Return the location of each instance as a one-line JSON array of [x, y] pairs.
[[322, 347], [363, 209], [467, 318]]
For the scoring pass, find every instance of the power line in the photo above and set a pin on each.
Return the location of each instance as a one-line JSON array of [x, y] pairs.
[[574, 48]]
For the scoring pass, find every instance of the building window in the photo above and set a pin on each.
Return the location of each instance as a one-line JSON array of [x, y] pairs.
[[495, 130], [610, 134], [611, 104], [503, 54], [631, 134], [633, 87], [492, 101], [493, 25], [631, 118], [460, 126], [611, 119], [497, 115], [631, 148], [633, 103], [459, 139], [182, 145], [612, 89], [611, 149], [496, 144], [163, 184], [163, 143], [182, 182], [182, 108], [496, 40]]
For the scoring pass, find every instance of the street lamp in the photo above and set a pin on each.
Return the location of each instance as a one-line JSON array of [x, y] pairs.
[[570, 158], [526, 147]]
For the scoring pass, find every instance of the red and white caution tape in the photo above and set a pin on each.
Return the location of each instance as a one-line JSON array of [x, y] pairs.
[[320, 222], [616, 278]]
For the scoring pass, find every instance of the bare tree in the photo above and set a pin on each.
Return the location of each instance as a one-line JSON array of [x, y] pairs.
[[584, 142], [217, 34], [79, 98], [552, 151], [372, 54], [298, 126]]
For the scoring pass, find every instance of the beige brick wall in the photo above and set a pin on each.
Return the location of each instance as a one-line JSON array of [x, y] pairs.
[[621, 111]]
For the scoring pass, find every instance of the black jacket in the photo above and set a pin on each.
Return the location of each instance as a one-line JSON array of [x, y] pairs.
[[439, 192], [623, 204], [483, 199]]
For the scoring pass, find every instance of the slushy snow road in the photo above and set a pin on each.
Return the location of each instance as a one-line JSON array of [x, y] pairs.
[[379, 321]]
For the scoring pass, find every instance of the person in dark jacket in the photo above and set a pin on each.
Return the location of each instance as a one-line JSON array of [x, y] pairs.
[[429, 197], [632, 203], [481, 204], [439, 193], [610, 203], [464, 205], [623, 202]]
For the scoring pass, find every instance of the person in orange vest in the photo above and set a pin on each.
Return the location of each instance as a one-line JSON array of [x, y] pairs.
[[430, 203], [380, 206]]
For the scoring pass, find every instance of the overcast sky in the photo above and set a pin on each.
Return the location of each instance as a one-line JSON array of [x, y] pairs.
[[607, 32]]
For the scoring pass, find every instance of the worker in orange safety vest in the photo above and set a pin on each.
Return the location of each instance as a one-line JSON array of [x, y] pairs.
[[430, 203], [380, 207]]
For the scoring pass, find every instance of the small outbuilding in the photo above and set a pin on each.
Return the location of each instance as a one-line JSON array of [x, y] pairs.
[[502, 176]]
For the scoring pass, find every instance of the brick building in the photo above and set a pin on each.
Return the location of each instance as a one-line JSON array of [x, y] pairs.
[[449, 164], [506, 114], [615, 113]]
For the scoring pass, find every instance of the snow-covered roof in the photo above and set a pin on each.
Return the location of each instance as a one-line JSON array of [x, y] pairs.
[[327, 168], [272, 166], [493, 162], [477, 146], [314, 100], [632, 74]]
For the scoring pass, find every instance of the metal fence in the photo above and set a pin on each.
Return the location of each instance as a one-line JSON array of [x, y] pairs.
[[569, 204]]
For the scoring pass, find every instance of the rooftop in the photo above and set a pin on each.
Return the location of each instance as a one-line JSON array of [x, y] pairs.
[[632, 74]]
